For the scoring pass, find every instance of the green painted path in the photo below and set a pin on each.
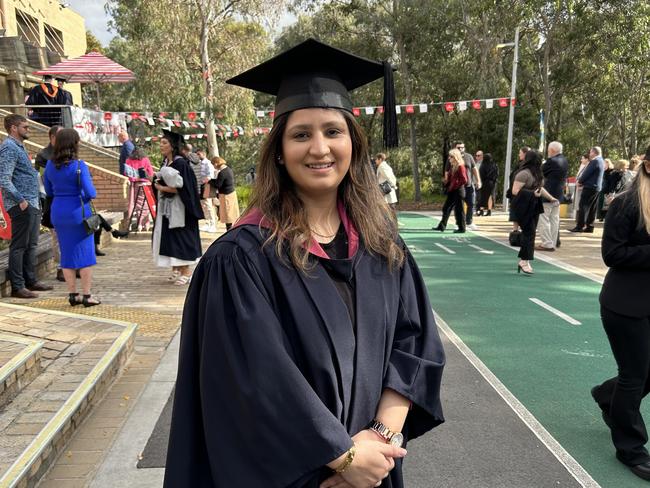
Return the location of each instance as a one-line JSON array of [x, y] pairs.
[[548, 363]]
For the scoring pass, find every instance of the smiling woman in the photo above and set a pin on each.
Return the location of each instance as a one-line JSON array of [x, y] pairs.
[[309, 350]]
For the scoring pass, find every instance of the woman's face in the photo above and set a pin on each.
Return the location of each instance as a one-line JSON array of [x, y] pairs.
[[522, 155], [316, 150], [646, 166], [165, 147], [583, 160]]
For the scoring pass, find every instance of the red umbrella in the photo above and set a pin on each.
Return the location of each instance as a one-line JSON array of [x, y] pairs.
[[90, 68]]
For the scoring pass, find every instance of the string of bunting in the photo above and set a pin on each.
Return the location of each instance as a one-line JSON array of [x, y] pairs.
[[228, 132], [458, 105]]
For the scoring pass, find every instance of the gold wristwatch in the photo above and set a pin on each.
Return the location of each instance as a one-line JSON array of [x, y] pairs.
[[349, 457], [392, 438]]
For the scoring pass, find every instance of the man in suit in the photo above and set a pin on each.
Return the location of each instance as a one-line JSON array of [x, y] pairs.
[[591, 182], [472, 186], [555, 170]]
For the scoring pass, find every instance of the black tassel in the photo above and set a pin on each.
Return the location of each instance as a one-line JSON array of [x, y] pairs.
[[390, 116]]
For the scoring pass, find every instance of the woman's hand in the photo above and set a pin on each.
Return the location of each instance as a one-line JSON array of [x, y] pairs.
[[372, 463]]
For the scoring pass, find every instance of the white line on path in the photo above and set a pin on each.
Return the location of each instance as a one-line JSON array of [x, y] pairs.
[[557, 312], [480, 249], [445, 248]]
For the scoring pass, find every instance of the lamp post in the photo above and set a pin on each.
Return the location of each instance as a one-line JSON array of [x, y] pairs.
[[511, 117]]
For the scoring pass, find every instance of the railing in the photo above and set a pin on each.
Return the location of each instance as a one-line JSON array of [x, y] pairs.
[[100, 128]]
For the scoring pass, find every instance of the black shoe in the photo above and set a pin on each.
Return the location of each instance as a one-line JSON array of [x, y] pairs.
[[605, 414], [98, 252], [119, 234], [488, 213], [77, 273], [589, 229], [576, 229], [439, 227], [558, 243], [479, 213], [459, 231], [87, 301], [642, 470], [59, 275], [73, 298]]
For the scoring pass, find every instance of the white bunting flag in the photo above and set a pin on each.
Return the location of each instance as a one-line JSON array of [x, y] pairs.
[[201, 125], [202, 115], [150, 121], [398, 110], [186, 137], [200, 136], [462, 106], [423, 108], [489, 103], [370, 110], [260, 113], [186, 123]]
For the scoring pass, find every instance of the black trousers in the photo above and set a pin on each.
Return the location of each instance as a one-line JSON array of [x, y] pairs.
[[470, 200], [454, 202], [621, 396], [587, 208], [103, 225], [528, 229], [25, 226]]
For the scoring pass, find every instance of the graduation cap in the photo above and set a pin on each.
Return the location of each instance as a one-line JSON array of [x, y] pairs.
[[313, 74], [61, 78], [174, 138]]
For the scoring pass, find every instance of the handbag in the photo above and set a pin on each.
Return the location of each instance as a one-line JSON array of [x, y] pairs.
[[46, 215], [92, 222], [385, 187], [515, 238]]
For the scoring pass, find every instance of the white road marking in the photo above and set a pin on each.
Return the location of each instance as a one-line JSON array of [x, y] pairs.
[[445, 248], [480, 249], [562, 455], [555, 311]]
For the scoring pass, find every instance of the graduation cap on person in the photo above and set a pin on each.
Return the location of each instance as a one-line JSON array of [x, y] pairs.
[[313, 74], [174, 138]]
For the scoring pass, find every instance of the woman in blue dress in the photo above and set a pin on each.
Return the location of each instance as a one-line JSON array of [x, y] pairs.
[[68, 180]]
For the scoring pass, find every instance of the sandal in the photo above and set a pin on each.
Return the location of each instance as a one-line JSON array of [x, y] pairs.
[[183, 280], [73, 298], [87, 303], [174, 276]]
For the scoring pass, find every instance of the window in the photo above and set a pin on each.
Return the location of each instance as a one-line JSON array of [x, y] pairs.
[[53, 39], [28, 28]]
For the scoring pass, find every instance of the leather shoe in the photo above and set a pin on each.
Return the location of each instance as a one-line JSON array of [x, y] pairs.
[[119, 234], [98, 252], [589, 229], [576, 229], [23, 293], [642, 470], [39, 286], [59, 275], [542, 248]]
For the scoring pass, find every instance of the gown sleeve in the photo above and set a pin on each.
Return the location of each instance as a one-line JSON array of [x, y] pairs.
[[417, 359], [243, 414]]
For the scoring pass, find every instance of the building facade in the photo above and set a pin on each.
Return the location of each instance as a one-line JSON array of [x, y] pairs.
[[36, 34]]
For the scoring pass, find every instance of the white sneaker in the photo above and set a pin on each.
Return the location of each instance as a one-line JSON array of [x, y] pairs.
[[211, 229], [472, 227], [204, 228]]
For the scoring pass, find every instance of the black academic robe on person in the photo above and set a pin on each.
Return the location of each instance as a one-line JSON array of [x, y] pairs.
[[45, 115], [274, 378], [184, 242]]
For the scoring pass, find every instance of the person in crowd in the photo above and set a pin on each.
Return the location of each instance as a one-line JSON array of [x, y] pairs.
[[625, 313], [125, 151], [140, 166], [635, 162], [601, 207], [66, 96], [511, 213], [618, 180], [105, 226], [454, 181], [47, 153], [555, 171], [208, 193], [577, 193], [187, 151], [224, 183], [250, 176], [386, 177], [478, 159], [590, 181], [176, 238], [310, 315], [527, 194], [43, 94], [67, 179], [489, 172], [20, 195], [472, 186]]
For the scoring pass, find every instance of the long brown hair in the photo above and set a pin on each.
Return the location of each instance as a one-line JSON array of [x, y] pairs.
[[640, 188], [66, 147], [274, 194]]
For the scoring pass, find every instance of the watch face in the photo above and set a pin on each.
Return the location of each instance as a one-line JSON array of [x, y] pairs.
[[397, 440]]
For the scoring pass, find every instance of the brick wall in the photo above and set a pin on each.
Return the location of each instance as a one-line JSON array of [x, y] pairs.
[[112, 189]]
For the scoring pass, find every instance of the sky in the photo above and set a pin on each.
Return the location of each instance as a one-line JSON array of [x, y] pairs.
[[97, 19]]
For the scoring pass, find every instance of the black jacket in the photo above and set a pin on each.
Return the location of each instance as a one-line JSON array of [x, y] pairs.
[[555, 171], [626, 250], [526, 206]]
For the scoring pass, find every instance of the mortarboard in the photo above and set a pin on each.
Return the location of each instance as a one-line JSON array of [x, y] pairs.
[[60, 78], [175, 138], [312, 74]]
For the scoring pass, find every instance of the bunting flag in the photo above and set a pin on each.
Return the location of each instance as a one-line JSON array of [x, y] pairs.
[[413, 108]]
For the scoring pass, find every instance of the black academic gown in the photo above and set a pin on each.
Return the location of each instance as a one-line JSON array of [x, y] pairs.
[[44, 115], [183, 242], [273, 377]]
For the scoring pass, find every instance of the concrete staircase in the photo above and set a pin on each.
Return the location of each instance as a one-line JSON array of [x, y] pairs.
[[91, 153]]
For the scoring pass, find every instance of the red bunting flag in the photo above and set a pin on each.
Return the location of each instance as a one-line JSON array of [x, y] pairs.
[[177, 123], [380, 110], [449, 106], [356, 111], [163, 114], [134, 115], [108, 116], [191, 115], [410, 109], [272, 113], [476, 104], [514, 101], [503, 102]]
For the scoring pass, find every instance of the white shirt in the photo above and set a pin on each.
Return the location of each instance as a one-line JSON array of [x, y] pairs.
[[385, 173]]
